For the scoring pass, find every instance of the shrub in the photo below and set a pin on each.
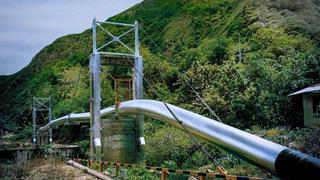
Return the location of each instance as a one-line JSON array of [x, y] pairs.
[[167, 144]]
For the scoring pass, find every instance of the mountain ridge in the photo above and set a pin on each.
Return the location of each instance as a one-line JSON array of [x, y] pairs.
[[200, 38]]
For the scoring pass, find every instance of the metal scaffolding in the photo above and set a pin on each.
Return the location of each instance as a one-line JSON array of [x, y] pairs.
[[40, 105], [112, 57]]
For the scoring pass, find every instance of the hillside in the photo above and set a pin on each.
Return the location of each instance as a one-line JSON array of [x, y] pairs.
[[279, 41]]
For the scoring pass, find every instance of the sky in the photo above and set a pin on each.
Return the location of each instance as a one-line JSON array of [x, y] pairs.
[[27, 26]]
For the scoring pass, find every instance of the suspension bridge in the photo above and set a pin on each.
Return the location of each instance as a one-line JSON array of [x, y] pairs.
[[116, 132]]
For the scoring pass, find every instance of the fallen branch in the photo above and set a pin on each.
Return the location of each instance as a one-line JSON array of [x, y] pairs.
[[88, 170]]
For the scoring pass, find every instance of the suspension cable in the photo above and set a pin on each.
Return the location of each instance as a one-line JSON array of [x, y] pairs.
[[220, 168], [184, 79], [78, 79], [191, 136]]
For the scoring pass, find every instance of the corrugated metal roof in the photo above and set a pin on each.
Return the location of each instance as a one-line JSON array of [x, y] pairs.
[[313, 88]]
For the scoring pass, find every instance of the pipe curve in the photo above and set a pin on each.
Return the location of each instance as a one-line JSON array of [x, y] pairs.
[[254, 149]]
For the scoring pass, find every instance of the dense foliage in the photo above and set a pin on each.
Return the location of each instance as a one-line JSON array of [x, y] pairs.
[[201, 40]]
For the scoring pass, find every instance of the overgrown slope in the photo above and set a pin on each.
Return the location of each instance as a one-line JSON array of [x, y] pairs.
[[279, 41]]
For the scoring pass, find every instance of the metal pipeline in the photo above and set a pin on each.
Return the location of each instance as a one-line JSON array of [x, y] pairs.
[[75, 118], [280, 160]]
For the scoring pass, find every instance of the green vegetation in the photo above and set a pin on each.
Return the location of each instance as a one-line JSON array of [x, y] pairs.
[[199, 38], [279, 41]]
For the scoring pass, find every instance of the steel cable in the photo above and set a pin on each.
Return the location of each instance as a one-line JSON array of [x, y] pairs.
[[78, 78], [184, 79], [192, 137]]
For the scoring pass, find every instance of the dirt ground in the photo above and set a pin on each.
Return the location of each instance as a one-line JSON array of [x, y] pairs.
[[42, 169]]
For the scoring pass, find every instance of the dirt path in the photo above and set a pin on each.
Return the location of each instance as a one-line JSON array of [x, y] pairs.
[[42, 169]]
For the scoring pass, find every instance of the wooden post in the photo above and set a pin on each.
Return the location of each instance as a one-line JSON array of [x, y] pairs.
[[101, 166], [117, 170], [106, 165], [202, 177], [164, 173]]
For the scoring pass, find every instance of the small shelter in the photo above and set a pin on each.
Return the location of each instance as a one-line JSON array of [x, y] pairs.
[[311, 104]]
